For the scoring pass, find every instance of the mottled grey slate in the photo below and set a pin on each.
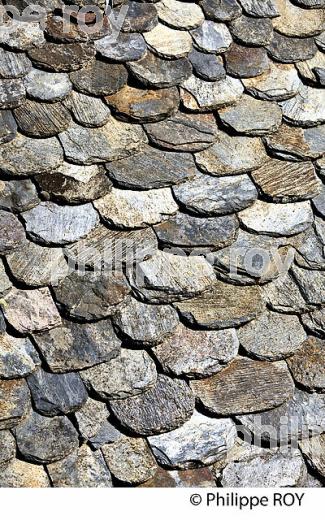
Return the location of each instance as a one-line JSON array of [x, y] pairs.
[[99, 78], [252, 31], [12, 232], [156, 72], [246, 62], [12, 93], [207, 66], [8, 126], [61, 58], [307, 365], [212, 37], [18, 195], [127, 47], [13, 65], [18, 357], [87, 110], [290, 49], [47, 86]]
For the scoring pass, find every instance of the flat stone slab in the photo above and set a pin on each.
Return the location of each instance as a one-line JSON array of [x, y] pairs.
[[257, 8], [13, 233], [199, 95], [100, 78], [14, 65], [245, 386], [294, 21], [127, 47], [91, 417], [251, 31], [63, 57], [19, 474], [18, 195], [167, 42], [140, 17], [310, 283], [305, 109], [18, 357], [87, 110], [221, 10], [294, 143], [280, 82], [8, 127], [313, 451], [246, 62], [307, 365], [315, 322], [47, 86], [42, 119], [207, 66], [8, 447], [291, 49], [15, 402], [153, 71], [212, 37], [180, 15], [12, 93]]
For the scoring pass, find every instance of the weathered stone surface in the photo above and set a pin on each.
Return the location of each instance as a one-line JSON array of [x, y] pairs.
[[145, 324], [272, 336], [7, 447], [283, 295], [61, 58], [19, 474], [13, 65], [232, 155], [280, 82], [277, 220], [30, 310], [50, 223], [223, 306], [196, 353], [315, 322], [290, 49], [180, 15], [91, 417], [212, 37], [23, 36], [252, 31], [59, 31], [307, 365], [221, 10], [320, 40], [42, 440], [293, 143], [12, 93], [131, 373], [183, 133], [170, 277], [127, 47], [245, 386], [113, 141], [97, 293], [140, 17], [319, 201], [106, 435], [310, 250], [131, 209], [165, 407], [8, 126], [311, 284], [252, 117], [42, 119], [47, 86], [25, 156], [100, 78], [152, 168], [55, 394], [14, 402], [306, 108], [87, 110], [130, 460], [81, 469], [209, 196], [5, 283], [294, 21], [246, 62], [18, 195], [284, 181], [153, 71], [257, 8], [74, 346], [314, 451], [18, 357], [202, 95], [207, 66], [312, 70], [200, 441], [198, 477], [194, 233], [168, 43], [12, 232]]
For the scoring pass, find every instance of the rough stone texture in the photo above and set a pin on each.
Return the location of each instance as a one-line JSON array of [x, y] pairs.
[[280, 82], [18, 195], [291, 49], [252, 31], [293, 143], [294, 21], [99, 78], [314, 451], [7, 447], [166, 406], [168, 43], [207, 66], [87, 110], [306, 108], [61, 58], [8, 126], [180, 15], [47, 86], [257, 8], [91, 417], [42, 119], [212, 37], [246, 62], [245, 386], [188, 478], [223, 10], [311, 284], [19, 474], [18, 357], [127, 47], [12, 232], [307, 365], [153, 71], [14, 402], [198, 94]]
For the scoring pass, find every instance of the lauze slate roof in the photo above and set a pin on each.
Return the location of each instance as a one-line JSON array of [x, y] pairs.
[[162, 246]]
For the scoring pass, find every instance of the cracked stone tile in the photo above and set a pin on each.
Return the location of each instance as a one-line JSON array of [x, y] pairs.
[[221, 10], [165, 407], [7, 448], [198, 477], [56, 394], [63, 57], [306, 108], [156, 72], [42, 440], [131, 209], [294, 21], [14, 402], [183, 132], [277, 219], [196, 353], [180, 15], [50, 223], [83, 468], [18, 357], [42, 119], [283, 295], [197, 234], [285, 181], [308, 69], [18, 196], [314, 451], [222, 306], [293, 143], [311, 284], [152, 168], [231, 155], [5, 283], [315, 322], [207, 66], [19, 474], [100, 78], [197, 94], [246, 62], [145, 324], [13, 65], [30, 310], [130, 460], [23, 36], [12, 93], [260, 8], [212, 196], [12, 232], [91, 417], [169, 277], [47, 86], [113, 141], [252, 31], [279, 83], [91, 295], [291, 49], [319, 201], [212, 37], [252, 116], [75, 346], [245, 386], [8, 126], [286, 332], [140, 17], [307, 365], [200, 441], [87, 110], [127, 47], [167, 42]]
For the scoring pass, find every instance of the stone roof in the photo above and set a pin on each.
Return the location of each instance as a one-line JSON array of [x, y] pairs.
[[162, 262]]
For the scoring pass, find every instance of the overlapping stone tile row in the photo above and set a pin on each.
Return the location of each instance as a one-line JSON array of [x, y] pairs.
[[193, 151]]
